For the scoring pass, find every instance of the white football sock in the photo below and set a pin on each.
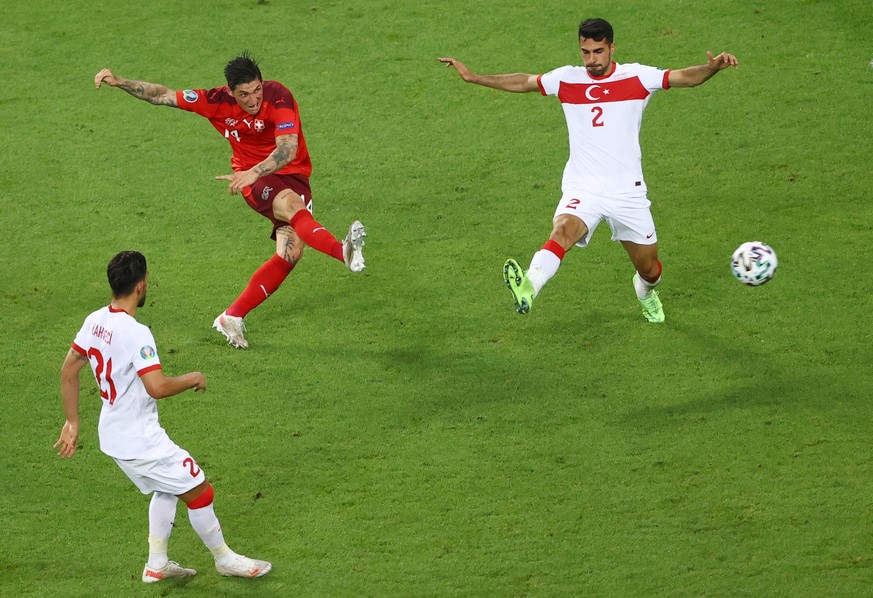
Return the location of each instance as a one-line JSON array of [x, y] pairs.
[[162, 513], [543, 267], [644, 287], [206, 524]]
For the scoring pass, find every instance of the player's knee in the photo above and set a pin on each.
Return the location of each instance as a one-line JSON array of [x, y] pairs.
[[567, 231], [287, 204], [291, 253]]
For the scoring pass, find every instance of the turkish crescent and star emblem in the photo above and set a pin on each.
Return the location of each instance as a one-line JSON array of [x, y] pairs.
[[589, 92], [606, 91]]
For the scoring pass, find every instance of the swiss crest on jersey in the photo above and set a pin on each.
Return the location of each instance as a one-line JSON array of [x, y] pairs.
[[237, 126]]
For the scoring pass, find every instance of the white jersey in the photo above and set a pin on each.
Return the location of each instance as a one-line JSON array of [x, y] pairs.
[[604, 115], [120, 350]]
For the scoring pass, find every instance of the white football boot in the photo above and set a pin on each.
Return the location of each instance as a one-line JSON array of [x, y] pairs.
[[171, 569], [243, 566], [353, 246], [233, 329]]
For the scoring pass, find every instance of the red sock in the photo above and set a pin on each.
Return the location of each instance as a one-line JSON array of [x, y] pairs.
[[554, 248], [263, 283], [315, 235]]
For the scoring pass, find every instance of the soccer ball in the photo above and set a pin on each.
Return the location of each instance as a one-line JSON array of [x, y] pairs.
[[754, 263]]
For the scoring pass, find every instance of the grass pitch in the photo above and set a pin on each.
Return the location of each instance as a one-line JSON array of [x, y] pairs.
[[404, 432]]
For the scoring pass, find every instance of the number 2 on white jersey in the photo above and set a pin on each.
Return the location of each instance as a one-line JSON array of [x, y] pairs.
[[191, 467], [110, 395], [598, 115]]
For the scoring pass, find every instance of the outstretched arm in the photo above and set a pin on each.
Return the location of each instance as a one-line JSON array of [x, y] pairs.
[[695, 75], [515, 82], [73, 363], [152, 93], [160, 386]]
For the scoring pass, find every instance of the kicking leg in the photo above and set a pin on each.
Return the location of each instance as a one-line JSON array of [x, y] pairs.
[[289, 207], [567, 230]]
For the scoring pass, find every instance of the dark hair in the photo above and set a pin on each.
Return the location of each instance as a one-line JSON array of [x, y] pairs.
[[125, 270], [596, 29], [242, 69]]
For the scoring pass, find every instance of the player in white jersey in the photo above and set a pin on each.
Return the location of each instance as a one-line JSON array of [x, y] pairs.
[[124, 360], [603, 103]]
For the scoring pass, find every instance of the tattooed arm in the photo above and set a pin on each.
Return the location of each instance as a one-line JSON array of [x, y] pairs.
[[286, 150], [152, 93]]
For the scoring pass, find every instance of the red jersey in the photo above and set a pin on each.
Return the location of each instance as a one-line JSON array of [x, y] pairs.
[[252, 137]]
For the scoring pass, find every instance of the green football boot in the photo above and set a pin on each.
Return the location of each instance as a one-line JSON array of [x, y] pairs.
[[521, 288], [652, 308]]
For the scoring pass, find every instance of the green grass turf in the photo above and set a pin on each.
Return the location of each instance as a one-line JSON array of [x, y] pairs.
[[403, 432]]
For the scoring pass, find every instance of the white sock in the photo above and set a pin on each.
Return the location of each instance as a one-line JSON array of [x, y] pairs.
[[205, 523], [543, 267], [644, 287], [162, 513]]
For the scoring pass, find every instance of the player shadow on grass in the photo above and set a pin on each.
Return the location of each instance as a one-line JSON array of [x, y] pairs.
[[758, 383]]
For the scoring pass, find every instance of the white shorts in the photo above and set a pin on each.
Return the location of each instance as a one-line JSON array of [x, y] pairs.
[[175, 473], [629, 218]]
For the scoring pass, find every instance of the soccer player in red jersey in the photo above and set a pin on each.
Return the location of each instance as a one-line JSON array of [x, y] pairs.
[[271, 168]]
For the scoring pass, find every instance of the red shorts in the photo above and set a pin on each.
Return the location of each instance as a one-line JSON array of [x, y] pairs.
[[260, 196]]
